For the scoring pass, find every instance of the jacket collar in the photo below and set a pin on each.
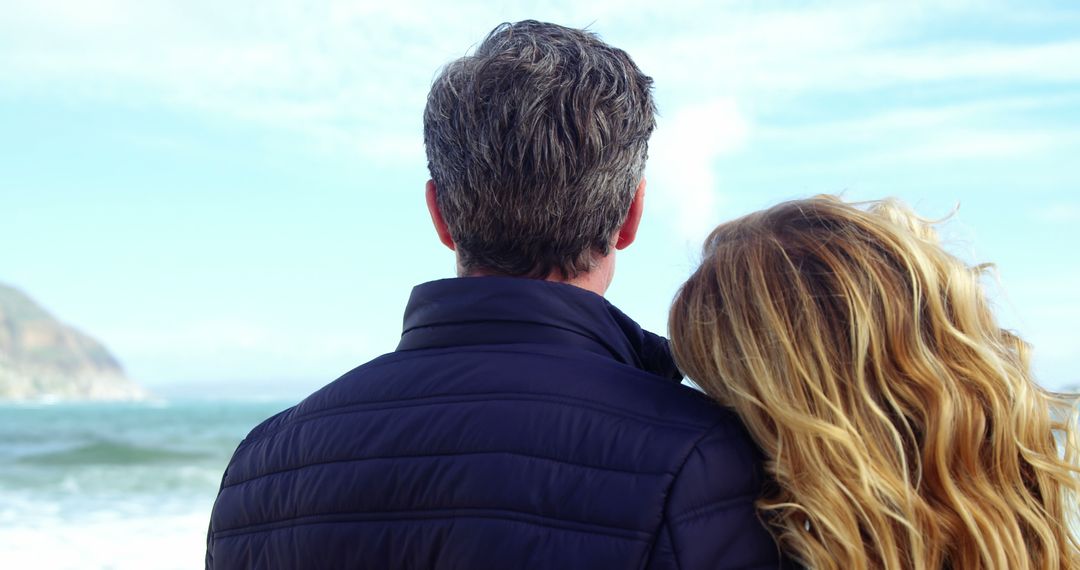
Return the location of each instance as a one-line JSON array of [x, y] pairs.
[[509, 310]]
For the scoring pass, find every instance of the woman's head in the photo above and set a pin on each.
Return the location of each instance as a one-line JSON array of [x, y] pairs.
[[901, 423]]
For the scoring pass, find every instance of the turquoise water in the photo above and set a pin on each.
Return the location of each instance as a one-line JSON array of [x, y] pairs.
[[117, 485]]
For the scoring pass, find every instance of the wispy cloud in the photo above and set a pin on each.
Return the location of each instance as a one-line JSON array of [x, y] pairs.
[[352, 74], [837, 47], [357, 72], [1044, 309], [238, 347], [857, 85], [978, 111], [682, 165], [1059, 213]]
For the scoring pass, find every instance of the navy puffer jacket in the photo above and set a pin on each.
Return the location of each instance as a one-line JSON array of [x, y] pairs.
[[520, 424]]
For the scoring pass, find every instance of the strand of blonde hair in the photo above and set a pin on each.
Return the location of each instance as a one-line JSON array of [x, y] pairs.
[[902, 425]]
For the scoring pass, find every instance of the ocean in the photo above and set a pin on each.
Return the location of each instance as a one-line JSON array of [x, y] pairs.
[[114, 485]]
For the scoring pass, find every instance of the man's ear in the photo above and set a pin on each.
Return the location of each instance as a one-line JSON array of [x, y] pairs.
[[437, 217], [628, 231]]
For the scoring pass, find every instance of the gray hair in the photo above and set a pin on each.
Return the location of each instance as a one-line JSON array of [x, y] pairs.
[[536, 143]]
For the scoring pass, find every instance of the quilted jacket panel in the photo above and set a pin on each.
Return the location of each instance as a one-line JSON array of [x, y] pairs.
[[520, 424]]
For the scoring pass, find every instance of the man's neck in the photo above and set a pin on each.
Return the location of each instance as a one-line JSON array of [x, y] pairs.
[[597, 279]]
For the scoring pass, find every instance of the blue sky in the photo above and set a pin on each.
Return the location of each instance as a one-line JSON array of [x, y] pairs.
[[230, 195]]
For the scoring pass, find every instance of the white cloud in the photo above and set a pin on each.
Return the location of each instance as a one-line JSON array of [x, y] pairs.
[[947, 115], [984, 129], [977, 144], [1060, 213], [237, 347], [226, 334], [352, 76], [682, 164], [1044, 310], [351, 72], [780, 54]]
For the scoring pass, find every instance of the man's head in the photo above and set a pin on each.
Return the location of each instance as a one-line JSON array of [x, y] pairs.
[[536, 145]]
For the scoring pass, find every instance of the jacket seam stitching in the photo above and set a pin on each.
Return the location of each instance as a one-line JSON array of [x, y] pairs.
[[494, 514], [473, 397], [492, 320], [711, 507], [610, 351], [470, 398], [393, 357], [674, 552], [435, 455], [664, 520], [570, 400]]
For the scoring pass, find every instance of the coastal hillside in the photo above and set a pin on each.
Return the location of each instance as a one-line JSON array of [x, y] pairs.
[[42, 358]]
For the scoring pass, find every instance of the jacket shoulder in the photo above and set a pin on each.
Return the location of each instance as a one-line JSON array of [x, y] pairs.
[[711, 519], [522, 444]]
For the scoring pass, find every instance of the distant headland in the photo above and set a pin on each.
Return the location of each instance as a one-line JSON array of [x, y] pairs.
[[44, 359]]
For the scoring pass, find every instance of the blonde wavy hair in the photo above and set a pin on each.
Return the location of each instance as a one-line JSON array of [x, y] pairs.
[[901, 425]]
